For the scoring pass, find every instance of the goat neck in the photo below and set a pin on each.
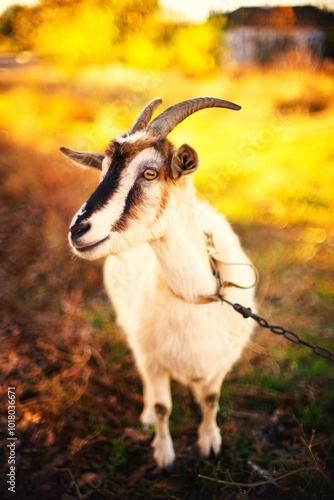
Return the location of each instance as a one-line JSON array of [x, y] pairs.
[[182, 252]]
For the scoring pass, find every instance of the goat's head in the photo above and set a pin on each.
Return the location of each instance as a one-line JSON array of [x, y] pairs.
[[140, 171]]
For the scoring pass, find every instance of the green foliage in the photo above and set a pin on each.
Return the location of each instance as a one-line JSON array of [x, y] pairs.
[[316, 415], [119, 454]]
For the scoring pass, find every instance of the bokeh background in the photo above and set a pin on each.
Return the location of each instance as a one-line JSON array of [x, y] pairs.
[[76, 73]]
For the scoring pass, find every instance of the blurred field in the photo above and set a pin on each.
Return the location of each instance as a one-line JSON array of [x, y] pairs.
[[269, 168]]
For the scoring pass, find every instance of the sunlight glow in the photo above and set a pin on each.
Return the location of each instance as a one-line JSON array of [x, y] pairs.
[[8, 3], [198, 10]]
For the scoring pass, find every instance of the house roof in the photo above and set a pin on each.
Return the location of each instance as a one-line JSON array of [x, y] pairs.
[[281, 17]]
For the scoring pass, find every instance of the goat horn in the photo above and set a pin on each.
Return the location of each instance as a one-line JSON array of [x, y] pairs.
[[145, 115], [164, 123]]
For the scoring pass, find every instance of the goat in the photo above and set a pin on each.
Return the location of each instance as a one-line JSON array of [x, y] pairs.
[[145, 218]]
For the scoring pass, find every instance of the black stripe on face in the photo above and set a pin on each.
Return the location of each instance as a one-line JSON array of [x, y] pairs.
[[106, 189], [133, 200]]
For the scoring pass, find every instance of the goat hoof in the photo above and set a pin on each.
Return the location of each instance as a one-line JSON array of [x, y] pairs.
[[164, 454], [208, 442]]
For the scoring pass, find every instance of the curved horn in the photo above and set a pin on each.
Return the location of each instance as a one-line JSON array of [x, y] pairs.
[[145, 115], [164, 123]]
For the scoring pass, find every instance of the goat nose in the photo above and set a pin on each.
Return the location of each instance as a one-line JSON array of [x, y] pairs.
[[79, 229]]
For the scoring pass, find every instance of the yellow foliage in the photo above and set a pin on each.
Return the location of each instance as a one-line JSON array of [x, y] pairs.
[[271, 161], [194, 49], [141, 52], [81, 33], [84, 35]]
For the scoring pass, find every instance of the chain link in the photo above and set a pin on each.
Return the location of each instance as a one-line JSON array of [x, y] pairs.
[[246, 312]]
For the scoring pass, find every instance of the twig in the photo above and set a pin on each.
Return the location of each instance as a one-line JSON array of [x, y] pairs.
[[65, 469], [309, 447], [74, 358], [260, 483], [317, 466], [80, 391], [80, 443], [99, 359]]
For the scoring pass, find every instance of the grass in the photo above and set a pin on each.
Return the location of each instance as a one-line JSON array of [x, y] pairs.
[[269, 168]]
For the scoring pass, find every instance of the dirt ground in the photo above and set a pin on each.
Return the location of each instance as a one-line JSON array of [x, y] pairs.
[[77, 392]]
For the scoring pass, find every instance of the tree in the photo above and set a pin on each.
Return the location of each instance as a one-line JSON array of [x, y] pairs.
[[7, 20]]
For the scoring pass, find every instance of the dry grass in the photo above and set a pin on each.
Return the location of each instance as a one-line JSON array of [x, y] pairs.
[[269, 168]]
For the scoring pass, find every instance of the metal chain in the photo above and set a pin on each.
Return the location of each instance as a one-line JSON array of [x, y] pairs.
[[246, 312]]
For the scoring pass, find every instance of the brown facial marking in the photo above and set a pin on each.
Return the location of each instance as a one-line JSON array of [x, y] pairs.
[[130, 211], [163, 204], [127, 151], [166, 149], [211, 399], [131, 149], [110, 149], [160, 410]]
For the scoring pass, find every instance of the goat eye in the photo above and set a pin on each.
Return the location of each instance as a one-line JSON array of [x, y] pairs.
[[150, 174]]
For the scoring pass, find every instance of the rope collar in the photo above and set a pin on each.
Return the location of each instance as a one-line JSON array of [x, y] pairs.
[[246, 312], [221, 285]]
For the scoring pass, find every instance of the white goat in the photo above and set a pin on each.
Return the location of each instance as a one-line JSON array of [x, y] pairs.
[[145, 217]]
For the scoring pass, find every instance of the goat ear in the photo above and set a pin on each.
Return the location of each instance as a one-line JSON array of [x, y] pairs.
[[184, 161], [85, 159]]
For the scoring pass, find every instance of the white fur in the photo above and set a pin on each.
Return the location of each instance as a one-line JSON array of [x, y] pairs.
[[157, 270], [171, 337]]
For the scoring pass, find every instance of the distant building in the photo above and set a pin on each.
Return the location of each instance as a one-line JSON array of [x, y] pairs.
[[256, 34]]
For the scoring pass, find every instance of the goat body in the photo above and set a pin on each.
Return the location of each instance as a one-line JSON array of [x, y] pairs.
[[157, 269]]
